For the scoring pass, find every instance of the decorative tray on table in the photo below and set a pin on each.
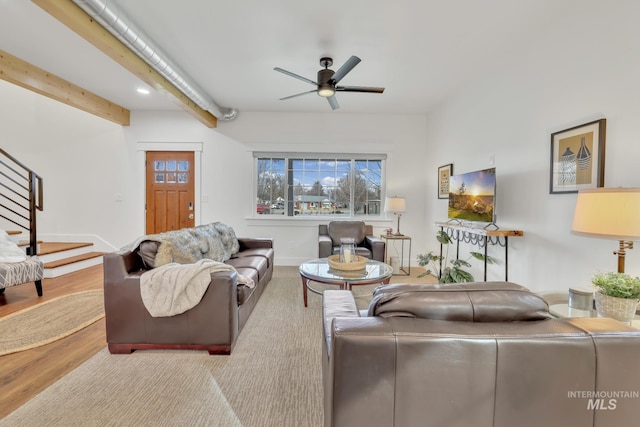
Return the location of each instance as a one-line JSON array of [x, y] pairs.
[[358, 263]]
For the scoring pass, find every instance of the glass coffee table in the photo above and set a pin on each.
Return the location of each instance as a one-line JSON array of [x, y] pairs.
[[319, 270], [562, 309]]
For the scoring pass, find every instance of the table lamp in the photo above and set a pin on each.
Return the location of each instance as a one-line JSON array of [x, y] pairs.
[[398, 206], [609, 213]]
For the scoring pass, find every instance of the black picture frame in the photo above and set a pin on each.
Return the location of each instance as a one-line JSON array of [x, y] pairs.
[[577, 158], [444, 173]]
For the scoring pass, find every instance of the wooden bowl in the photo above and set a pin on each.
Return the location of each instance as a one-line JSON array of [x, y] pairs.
[[358, 263]]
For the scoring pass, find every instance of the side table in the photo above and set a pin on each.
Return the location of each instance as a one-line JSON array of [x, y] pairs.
[[389, 238]]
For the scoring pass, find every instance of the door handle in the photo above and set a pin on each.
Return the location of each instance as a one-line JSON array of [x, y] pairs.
[[190, 216]]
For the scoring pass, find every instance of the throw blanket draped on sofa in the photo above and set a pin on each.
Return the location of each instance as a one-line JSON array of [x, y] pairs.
[[175, 288]]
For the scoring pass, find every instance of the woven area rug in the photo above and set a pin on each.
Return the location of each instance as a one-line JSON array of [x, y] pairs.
[[49, 321]]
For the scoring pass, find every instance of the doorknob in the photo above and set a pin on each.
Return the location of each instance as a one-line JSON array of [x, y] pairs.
[[190, 216]]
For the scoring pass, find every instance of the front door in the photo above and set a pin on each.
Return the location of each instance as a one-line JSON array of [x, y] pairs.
[[170, 191]]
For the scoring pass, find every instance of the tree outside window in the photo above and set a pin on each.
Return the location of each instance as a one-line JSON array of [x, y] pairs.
[[335, 186]]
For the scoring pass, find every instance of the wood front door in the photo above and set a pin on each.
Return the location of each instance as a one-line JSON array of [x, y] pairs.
[[170, 191]]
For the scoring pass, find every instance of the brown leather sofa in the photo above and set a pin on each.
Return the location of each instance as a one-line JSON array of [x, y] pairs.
[[475, 354], [367, 245], [212, 325]]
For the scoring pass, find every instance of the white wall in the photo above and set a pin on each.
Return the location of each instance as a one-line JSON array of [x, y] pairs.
[[584, 69]]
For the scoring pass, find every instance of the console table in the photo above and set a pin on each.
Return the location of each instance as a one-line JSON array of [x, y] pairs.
[[482, 237]]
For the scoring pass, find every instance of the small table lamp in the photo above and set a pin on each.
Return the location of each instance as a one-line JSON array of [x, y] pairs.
[[609, 213], [398, 206]]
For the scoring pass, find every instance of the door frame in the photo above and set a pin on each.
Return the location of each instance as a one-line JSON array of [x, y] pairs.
[[143, 147]]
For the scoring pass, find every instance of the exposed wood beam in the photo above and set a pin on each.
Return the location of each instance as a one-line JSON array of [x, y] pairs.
[[85, 26], [28, 76]]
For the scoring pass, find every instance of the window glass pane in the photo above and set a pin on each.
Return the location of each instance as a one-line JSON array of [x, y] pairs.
[[171, 177], [182, 178], [159, 178], [158, 165], [319, 186], [271, 185], [183, 165], [171, 165]]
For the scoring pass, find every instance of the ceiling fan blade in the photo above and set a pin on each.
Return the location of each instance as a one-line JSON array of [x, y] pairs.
[[333, 102], [346, 67], [297, 94], [289, 73], [360, 89]]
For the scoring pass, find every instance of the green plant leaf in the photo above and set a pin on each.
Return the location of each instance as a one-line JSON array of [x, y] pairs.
[[457, 263], [481, 257], [443, 237], [460, 276], [619, 285]]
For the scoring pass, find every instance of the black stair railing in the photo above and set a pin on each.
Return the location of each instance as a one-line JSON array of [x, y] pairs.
[[20, 196]]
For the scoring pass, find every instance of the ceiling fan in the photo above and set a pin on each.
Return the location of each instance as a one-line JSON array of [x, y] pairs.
[[326, 86]]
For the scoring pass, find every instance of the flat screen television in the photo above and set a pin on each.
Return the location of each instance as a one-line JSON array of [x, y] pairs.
[[472, 196]]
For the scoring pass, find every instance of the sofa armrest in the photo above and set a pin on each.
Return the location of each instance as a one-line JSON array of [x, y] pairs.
[[376, 245], [336, 303], [254, 243], [325, 246], [117, 265]]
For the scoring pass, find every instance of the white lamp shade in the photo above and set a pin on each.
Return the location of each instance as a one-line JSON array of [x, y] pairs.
[[395, 204], [608, 213]]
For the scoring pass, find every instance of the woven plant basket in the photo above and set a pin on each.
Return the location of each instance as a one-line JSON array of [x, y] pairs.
[[621, 309]]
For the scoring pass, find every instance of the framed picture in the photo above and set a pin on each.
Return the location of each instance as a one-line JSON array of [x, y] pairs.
[[444, 173], [577, 158]]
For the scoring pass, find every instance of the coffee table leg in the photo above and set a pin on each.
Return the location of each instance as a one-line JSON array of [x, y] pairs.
[[304, 289]]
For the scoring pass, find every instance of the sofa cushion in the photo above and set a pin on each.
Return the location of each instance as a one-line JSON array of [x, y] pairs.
[[263, 252], [470, 302], [147, 252], [258, 263]]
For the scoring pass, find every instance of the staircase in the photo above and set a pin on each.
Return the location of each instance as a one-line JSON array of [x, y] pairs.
[[61, 258], [20, 199], [66, 257]]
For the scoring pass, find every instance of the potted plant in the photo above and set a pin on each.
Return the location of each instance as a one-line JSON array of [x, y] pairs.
[[454, 273], [617, 295]]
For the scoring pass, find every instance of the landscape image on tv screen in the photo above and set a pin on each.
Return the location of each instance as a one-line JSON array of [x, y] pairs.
[[472, 196]]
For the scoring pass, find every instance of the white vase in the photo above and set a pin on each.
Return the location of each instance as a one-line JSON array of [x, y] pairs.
[[621, 309]]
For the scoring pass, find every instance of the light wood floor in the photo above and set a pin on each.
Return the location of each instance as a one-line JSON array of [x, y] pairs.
[[27, 373]]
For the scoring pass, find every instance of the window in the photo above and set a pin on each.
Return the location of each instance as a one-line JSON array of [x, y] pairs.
[[319, 184]]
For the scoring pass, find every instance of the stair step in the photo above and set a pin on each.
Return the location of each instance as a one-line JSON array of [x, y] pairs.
[[71, 260], [46, 248], [13, 232]]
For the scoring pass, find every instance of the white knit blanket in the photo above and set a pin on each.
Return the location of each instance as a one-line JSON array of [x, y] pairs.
[[175, 288], [9, 251]]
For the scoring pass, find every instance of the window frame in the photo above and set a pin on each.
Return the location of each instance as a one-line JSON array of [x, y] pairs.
[[287, 157]]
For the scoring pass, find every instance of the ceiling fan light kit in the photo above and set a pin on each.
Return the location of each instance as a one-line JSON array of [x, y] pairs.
[[327, 80]]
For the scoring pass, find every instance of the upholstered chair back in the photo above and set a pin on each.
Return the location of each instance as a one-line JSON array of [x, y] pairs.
[[341, 229]]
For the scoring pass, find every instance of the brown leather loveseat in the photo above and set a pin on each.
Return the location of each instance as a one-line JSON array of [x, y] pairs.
[[476, 354], [213, 324]]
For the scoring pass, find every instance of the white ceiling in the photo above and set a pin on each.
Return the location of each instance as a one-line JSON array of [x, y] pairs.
[[419, 50]]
